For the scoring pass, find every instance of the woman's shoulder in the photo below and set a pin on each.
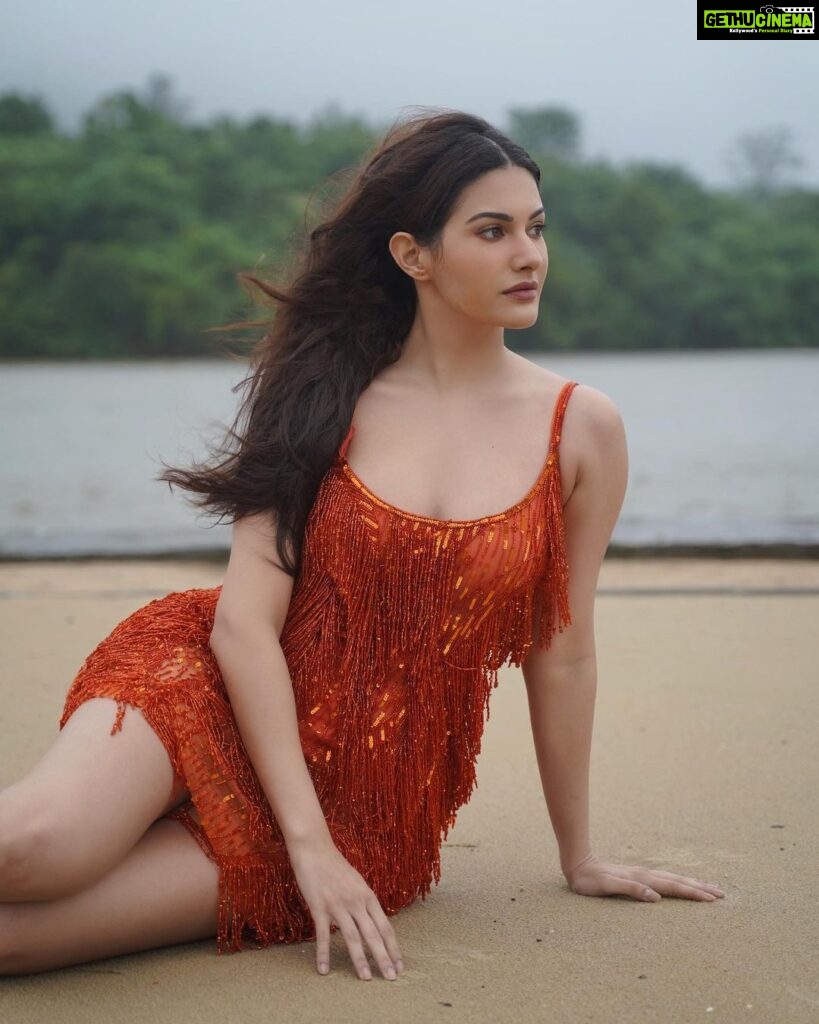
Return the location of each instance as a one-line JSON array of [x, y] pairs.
[[591, 409], [591, 422]]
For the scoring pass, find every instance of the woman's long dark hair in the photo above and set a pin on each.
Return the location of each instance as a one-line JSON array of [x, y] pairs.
[[343, 316]]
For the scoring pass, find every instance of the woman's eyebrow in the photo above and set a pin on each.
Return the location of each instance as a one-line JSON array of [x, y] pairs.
[[502, 216]]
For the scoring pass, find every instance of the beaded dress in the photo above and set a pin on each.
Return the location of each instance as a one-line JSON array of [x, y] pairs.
[[396, 628]]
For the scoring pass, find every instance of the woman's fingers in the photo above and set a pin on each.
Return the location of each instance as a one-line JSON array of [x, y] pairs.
[[361, 929], [694, 883], [349, 929], [595, 878], [387, 932], [677, 885], [379, 944], [669, 884], [372, 937], [323, 945]]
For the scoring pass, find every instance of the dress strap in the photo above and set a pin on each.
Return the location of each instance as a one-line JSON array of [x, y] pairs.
[[557, 416], [346, 442]]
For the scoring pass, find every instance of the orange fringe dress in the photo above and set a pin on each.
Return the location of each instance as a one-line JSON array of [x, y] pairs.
[[397, 626]]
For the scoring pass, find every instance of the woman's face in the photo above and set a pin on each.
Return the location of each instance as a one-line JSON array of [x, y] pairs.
[[492, 241]]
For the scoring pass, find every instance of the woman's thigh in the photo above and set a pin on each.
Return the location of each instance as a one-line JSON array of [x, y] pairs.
[[85, 804], [165, 891]]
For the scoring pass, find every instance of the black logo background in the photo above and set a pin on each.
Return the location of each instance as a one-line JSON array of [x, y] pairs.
[[724, 33]]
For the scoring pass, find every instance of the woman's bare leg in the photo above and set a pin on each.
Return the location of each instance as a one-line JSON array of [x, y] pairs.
[[84, 805], [165, 891]]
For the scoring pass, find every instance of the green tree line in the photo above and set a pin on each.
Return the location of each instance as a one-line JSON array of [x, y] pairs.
[[123, 240]]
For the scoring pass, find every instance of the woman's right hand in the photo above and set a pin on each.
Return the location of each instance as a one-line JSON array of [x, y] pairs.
[[336, 893]]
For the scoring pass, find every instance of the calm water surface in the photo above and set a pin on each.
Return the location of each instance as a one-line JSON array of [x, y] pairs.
[[723, 449]]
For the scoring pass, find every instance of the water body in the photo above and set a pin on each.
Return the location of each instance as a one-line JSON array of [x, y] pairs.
[[723, 450]]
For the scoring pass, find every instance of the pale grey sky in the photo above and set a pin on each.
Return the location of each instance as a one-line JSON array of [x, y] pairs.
[[643, 86]]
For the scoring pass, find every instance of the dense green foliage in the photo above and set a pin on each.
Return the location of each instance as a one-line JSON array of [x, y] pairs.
[[124, 239]]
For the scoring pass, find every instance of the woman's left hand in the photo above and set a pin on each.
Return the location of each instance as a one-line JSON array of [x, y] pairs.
[[592, 877]]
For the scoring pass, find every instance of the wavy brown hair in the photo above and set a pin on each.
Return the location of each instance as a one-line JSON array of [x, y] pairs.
[[344, 311]]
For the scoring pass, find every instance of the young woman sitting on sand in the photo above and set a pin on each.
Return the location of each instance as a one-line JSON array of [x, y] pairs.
[[413, 506]]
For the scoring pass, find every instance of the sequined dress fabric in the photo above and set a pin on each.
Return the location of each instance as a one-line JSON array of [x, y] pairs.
[[397, 626]]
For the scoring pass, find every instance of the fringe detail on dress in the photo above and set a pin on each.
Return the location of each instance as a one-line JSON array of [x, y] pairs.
[[394, 651]]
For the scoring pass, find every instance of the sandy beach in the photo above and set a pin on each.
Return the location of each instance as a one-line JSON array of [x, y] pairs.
[[704, 763]]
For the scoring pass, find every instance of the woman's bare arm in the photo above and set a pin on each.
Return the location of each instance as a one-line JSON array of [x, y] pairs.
[[561, 681], [249, 619]]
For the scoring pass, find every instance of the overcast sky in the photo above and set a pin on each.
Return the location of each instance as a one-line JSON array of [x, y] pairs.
[[635, 74]]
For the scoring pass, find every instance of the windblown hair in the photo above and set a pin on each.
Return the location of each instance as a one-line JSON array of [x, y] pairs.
[[342, 317]]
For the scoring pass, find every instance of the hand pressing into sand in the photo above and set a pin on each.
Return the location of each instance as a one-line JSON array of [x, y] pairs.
[[336, 893], [592, 877]]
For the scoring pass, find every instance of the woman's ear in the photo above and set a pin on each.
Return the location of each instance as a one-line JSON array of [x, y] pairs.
[[409, 255]]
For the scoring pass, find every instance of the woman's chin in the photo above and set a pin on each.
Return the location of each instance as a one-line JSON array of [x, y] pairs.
[[526, 318]]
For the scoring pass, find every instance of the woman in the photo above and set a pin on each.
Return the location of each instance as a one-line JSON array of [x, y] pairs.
[[279, 757]]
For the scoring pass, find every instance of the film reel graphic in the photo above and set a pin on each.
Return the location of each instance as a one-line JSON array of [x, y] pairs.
[[770, 9]]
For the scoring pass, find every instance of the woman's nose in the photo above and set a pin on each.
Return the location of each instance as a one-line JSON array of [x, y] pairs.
[[533, 255]]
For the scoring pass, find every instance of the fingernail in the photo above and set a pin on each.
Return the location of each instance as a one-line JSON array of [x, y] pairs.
[[399, 964], [323, 968], [366, 974], [391, 974]]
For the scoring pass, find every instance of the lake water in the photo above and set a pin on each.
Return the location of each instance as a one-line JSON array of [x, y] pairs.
[[723, 450]]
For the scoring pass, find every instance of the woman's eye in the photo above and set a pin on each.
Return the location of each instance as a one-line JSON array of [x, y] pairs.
[[540, 226]]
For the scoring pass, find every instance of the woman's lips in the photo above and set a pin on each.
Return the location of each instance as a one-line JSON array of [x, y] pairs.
[[522, 294]]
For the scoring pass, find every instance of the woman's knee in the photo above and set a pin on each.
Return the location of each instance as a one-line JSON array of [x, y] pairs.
[[84, 805], [37, 860], [164, 892]]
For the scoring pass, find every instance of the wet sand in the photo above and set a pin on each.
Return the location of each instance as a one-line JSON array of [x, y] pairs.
[[704, 763]]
